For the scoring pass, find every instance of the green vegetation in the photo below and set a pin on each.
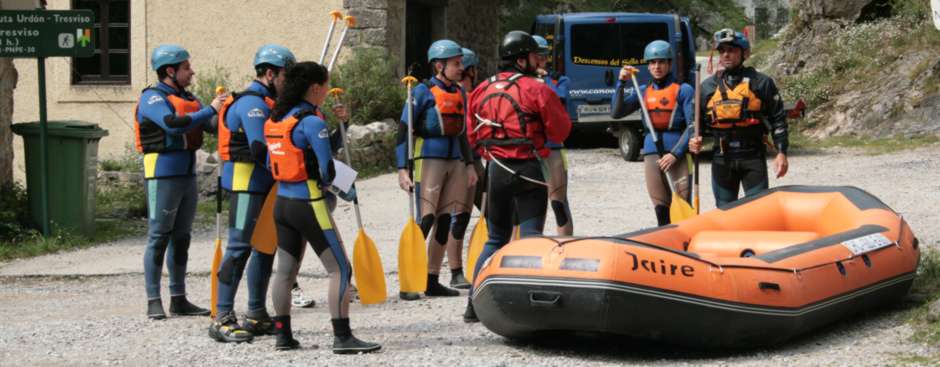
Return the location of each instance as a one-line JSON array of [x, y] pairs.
[[370, 73], [204, 89], [873, 146]]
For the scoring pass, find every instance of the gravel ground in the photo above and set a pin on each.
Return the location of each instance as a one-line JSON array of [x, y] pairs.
[[87, 307]]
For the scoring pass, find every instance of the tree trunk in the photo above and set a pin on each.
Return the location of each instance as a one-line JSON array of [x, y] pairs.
[[8, 78]]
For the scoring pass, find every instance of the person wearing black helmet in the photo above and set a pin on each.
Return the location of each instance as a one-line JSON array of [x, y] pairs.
[[740, 106], [510, 117]]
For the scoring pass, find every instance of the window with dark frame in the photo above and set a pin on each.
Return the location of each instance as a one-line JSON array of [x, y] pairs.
[[112, 36]]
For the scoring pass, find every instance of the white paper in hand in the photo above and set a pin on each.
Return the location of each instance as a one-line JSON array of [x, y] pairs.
[[935, 10], [345, 176]]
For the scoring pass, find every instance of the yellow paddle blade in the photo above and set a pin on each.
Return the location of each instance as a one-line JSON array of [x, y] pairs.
[[680, 209], [477, 240], [516, 233], [264, 237], [214, 277], [412, 259], [367, 268]]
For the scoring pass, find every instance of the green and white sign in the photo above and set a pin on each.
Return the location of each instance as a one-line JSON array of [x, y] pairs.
[[46, 33]]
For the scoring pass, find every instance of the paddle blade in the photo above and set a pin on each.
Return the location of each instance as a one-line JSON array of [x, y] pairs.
[[516, 233], [214, 276], [264, 237], [412, 259], [477, 240], [367, 268], [680, 209]]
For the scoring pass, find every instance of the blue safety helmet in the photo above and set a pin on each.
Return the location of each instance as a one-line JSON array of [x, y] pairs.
[[543, 44], [444, 49], [658, 50], [729, 36], [275, 55], [469, 58], [168, 55]]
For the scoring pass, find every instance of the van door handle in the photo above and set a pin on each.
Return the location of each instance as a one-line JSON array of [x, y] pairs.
[[609, 77]]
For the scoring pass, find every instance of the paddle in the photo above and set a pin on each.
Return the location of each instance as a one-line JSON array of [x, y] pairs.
[[329, 34], [367, 265], [217, 255], [412, 255], [477, 240], [679, 209], [698, 125]]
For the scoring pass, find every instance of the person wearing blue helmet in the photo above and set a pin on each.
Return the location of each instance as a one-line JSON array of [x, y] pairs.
[[245, 176], [740, 108], [443, 165], [169, 123], [672, 113], [557, 161], [471, 67]]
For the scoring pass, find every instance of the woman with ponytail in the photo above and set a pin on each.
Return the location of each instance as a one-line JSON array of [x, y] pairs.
[[301, 163]]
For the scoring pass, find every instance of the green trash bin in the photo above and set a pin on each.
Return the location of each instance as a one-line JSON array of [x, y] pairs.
[[73, 161]]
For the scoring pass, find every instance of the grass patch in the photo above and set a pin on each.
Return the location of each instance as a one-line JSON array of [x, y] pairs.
[[926, 288], [34, 244], [871, 146]]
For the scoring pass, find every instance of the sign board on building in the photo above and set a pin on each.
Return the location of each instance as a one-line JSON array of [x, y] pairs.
[[46, 33], [935, 10]]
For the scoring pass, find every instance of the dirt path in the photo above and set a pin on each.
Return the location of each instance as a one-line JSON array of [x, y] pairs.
[[87, 306]]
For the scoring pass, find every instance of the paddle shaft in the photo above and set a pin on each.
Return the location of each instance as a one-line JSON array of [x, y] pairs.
[[342, 133], [339, 46], [649, 124], [411, 163], [329, 35], [697, 133]]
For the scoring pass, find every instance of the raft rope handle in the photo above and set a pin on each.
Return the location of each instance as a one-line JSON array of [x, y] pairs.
[[900, 231]]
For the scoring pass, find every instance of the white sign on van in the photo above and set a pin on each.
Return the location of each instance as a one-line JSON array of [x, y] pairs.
[[935, 10]]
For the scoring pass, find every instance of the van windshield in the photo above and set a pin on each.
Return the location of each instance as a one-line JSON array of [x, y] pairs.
[[613, 44]]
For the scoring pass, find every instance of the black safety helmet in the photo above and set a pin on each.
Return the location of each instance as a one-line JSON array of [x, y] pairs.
[[517, 44]]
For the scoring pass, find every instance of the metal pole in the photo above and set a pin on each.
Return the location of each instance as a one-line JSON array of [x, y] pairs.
[[43, 148]]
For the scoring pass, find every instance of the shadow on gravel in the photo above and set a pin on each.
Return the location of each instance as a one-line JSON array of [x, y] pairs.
[[606, 347]]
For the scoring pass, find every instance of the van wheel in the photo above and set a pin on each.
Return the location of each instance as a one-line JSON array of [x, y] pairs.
[[629, 142]]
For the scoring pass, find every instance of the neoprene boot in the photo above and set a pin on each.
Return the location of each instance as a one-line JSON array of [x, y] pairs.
[[662, 215], [469, 315], [180, 306], [284, 337], [155, 310], [345, 343], [258, 323], [436, 289], [457, 279]]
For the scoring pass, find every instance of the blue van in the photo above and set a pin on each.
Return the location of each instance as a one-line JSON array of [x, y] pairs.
[[590, 48]]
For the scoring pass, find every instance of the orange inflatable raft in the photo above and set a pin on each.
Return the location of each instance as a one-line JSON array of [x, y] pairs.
[[757, 272]]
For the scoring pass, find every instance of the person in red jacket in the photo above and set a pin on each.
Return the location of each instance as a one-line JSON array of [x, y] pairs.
[[509, 119]]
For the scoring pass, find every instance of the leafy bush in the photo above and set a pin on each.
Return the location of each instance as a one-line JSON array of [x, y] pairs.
[[130, 161], [204, 90], [121, 201], [372, 88], [13, 214]]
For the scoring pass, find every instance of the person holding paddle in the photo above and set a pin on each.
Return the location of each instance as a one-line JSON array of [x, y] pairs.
[[510, 117], [301, 162], [169, 123], [740, 107], [443, 165], [245, 175], [671, 113]]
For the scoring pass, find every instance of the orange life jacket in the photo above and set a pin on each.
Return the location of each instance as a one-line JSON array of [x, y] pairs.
[[233, 146], [288, 162], [450, 114], [151, 138], [661, 104], [737, 107]]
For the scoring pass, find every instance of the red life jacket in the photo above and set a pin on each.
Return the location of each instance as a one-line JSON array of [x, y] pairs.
[[502, 121], [661, 104], [449, 120], [149, 137], [233, 146], [288, 162]]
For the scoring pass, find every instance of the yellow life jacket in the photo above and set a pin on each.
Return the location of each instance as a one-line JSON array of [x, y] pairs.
[[737, 107]]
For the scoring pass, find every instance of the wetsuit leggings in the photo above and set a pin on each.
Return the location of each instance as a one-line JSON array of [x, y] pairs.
[[730, 174], [506, 192], [443, 209], [243, 215], [558, 191], [171, 207], [658, 187], [300, 221]]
